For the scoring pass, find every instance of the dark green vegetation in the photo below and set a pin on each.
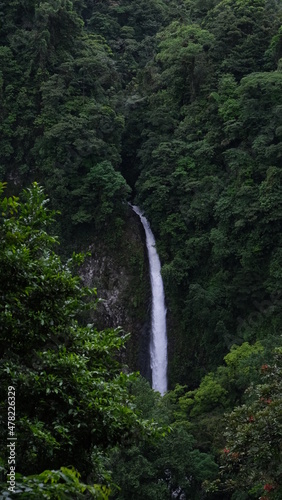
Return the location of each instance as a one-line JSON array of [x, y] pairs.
[[76, 413], [72, 402], [210, 179], [179, 105]]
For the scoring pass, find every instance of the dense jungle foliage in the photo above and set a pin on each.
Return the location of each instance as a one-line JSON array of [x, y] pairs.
[[176, 105]]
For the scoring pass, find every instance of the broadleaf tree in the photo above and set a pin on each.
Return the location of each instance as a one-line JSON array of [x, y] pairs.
[[72, 402]]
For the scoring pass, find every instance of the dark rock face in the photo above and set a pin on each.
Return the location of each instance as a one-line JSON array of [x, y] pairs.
[[121, 275]]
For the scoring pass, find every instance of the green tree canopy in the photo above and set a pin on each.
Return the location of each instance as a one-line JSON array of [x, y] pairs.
[[251, 459], [72, 402]]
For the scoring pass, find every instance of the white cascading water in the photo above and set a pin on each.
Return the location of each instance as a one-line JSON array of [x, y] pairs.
[[158, 342]]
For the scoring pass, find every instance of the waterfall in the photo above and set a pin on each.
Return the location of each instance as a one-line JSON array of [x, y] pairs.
[[158, 342]]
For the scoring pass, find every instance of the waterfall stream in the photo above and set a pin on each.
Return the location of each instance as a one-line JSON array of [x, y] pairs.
[[158, 342]]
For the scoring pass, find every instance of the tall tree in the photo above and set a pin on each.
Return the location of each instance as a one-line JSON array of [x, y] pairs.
[[72, 402]]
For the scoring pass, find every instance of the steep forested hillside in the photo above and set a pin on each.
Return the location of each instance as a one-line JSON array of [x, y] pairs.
[[209, 179], [177, 106]]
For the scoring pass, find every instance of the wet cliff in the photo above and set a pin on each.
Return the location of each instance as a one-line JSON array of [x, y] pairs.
[[120, 272]]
